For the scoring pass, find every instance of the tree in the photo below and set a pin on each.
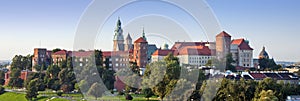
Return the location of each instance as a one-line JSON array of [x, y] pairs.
[[67, 88], [15, 81], [229, 61], [32, 90], [154, 74], [147, 92], [267, 96], [96, 90], [268, 64], [2, 90], [56, 50], [52, 71], [2, 77], [267, 84]]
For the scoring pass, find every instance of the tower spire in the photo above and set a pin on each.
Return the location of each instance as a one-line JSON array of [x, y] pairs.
[[144, 36]]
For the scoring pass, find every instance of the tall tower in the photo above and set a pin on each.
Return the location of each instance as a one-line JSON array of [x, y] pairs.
[[223, 41], [128, 42], [140, 52], [39, 57], [118, 37]]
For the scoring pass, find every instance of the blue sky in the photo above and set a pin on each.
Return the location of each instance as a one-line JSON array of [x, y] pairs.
[[271, 23]]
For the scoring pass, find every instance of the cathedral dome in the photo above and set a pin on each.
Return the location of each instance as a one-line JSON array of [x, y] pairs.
[[263, 54]]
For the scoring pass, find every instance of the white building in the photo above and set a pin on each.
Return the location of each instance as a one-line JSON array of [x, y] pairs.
[[242, 53]]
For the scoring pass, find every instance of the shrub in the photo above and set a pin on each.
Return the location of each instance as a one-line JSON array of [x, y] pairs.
[[59, 93], [2, 90]]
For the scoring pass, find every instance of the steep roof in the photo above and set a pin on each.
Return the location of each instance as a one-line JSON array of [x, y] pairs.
[[223, 34], [140, 40], [242, 44], [128, 37]]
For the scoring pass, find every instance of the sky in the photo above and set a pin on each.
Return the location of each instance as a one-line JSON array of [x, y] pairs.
[[28, 24]]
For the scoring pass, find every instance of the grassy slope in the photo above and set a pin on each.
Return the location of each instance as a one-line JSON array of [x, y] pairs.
[[9, 96]]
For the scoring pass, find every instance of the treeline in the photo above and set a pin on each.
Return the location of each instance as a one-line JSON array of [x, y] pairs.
[[167, 80], [59, 76]]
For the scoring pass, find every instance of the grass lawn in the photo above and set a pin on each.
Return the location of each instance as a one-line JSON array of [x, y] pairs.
[[12, 96]]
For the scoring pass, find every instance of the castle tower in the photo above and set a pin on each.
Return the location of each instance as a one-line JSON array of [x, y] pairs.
[[118, 37], [39, 57], [128, 43], [223, 41], [140, 51]]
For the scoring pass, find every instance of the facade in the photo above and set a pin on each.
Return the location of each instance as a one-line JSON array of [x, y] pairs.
[[59, 56], [24, 75], [194, 55], [242, 53], [140, 51], [151, 49], [160, 54], [82, 57], [40, 57], [223, 42]]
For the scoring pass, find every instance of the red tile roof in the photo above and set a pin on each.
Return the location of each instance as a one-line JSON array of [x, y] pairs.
[[140, 40], [237, 41], [223, 34], [161, 52], [179, 45], [62, 52], [258, 75], [106, 53], [241, 44], [195, 50]]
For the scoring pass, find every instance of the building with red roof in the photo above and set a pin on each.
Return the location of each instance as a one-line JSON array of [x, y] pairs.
[[242, 53]]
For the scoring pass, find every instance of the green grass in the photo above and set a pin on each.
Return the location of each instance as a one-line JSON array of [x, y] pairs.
[[10, 96]]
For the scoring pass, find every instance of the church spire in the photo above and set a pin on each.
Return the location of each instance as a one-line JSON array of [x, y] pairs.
[[144, 36]]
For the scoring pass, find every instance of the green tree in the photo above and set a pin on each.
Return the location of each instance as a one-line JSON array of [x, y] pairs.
[[2, 90], [32, 90], [96, 90], [267, 96], [229, 61], [2, 77], [15, 81], [147, 92], [56, 50], [164, 84]]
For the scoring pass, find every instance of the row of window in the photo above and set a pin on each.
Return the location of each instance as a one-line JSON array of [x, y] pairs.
[[246, 55], [197, 58], [202, 62]]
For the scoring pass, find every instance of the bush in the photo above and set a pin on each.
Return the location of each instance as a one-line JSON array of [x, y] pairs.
[[59, 93], [129, 97], [2, 90], [120, 93]]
